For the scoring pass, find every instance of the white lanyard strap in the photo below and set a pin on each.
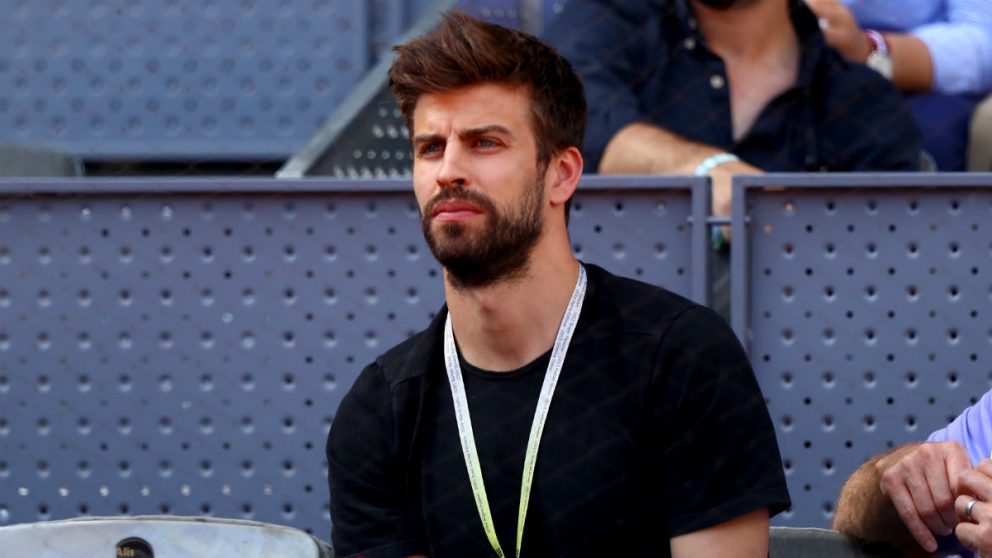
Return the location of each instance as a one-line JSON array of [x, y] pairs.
[[464, 421]]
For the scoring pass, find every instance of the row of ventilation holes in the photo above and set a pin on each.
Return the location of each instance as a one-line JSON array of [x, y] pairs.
[[871, 207], [166, 384], [248, 212]]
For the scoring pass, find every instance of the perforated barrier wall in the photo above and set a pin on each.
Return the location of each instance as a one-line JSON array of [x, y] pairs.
[[177, 79], [193, 81], [181, 346], [866, 305]]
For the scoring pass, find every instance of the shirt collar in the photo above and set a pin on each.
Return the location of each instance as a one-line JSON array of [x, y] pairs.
[[811, 42]]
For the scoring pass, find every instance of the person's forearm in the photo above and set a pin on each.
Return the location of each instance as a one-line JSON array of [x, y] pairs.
[[742, 537], [912, 66], [864, 511], [645, 149]]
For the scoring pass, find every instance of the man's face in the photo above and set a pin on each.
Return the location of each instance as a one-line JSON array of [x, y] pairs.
[[476, 178]]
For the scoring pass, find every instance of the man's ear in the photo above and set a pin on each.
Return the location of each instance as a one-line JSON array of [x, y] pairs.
[[564, 172]]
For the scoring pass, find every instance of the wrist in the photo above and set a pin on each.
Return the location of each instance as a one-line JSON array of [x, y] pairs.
[[878, 57], [708, 164]]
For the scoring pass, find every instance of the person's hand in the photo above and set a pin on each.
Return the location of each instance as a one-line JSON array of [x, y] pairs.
[[721, 179], [975, 527], [922, 485], [841, 29]]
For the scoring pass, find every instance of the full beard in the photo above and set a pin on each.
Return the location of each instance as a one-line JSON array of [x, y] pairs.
[[499, 252]]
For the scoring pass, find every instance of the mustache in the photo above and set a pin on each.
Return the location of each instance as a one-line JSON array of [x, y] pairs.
[[477, 198]]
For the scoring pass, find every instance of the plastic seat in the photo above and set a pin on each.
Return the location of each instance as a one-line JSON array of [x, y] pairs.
[[28, 161], [158, 537], [809, 542]]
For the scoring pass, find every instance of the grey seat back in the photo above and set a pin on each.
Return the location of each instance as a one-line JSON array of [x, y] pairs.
[[809, 542], [24, 161], [164, 536]]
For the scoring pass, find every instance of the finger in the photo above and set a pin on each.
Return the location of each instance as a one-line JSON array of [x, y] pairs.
[[961, 504], [919, 489], [957, 462], [985, 467], [968, 534], [903, 503], [941, 493], [973, 481], [826, 9], [832, 35]]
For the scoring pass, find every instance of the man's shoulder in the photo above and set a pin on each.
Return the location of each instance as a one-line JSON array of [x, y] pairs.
[[636, 306], [410, 358], [840, 81]]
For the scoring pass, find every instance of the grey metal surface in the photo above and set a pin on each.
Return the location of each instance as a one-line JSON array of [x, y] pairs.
[[168, 537], [366, 137], [147, 79], [180, 346], [794, 542], [24, 161], [865, 304]]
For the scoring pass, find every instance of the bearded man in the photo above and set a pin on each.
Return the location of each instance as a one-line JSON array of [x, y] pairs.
[[551, 409]]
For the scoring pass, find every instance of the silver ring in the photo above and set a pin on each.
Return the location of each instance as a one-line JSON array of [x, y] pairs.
[[968, 507]]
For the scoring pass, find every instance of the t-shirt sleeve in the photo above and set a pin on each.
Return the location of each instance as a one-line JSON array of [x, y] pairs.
[[972, 429], [602, 44], [369, 512], [720, 457]]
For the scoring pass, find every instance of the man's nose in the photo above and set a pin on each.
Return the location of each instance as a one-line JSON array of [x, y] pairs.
[[452, 173]]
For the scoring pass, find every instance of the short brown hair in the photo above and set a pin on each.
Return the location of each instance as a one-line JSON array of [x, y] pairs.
[[465, 51]]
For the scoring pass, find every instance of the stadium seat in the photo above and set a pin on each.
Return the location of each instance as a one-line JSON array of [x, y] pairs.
[[24, 161], [808, 542], [980, 137], [158, 537]]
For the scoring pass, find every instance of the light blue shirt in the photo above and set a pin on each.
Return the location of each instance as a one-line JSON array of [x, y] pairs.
[[958, 34], [972, 429]]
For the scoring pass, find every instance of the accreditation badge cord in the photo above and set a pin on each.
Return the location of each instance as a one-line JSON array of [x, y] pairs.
[[464, 421]]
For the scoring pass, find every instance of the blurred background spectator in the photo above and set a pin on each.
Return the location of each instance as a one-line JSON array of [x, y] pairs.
[[938, 52], [720, 87]]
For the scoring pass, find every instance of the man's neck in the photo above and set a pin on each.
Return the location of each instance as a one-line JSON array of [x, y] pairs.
[[757, 30], [760, 51], [507, 325]]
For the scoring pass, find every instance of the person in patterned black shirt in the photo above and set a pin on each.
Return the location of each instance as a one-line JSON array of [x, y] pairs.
[[727, 87], [551, 408]]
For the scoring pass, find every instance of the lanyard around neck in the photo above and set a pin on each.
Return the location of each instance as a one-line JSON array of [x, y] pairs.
[[464, 421]]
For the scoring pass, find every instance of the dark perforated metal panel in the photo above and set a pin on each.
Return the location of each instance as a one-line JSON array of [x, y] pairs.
[[374, 143], [867, 304], [366, 136], [181, 347], [148, 79]]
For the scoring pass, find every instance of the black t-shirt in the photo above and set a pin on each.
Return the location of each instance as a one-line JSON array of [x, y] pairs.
[[657, 428], [502, 406]]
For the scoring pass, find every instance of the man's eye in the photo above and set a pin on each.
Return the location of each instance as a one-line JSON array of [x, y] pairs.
[[484, 142], [430, 148]]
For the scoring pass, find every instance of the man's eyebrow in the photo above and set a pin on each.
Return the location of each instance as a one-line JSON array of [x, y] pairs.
[[469, 133], [427, 138], [483, 130]]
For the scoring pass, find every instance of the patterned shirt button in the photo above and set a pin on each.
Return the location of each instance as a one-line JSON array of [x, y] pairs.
[[689, 43], [716, 81]]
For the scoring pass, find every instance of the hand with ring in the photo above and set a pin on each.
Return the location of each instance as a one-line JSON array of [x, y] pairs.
[[974, 509]]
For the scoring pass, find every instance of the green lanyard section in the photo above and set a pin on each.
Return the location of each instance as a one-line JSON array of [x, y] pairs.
[[464, 421]]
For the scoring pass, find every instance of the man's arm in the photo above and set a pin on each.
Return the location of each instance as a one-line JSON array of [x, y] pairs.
[[904, 495], [368, 505], [742, 537], [640, 148], [947, 56]]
